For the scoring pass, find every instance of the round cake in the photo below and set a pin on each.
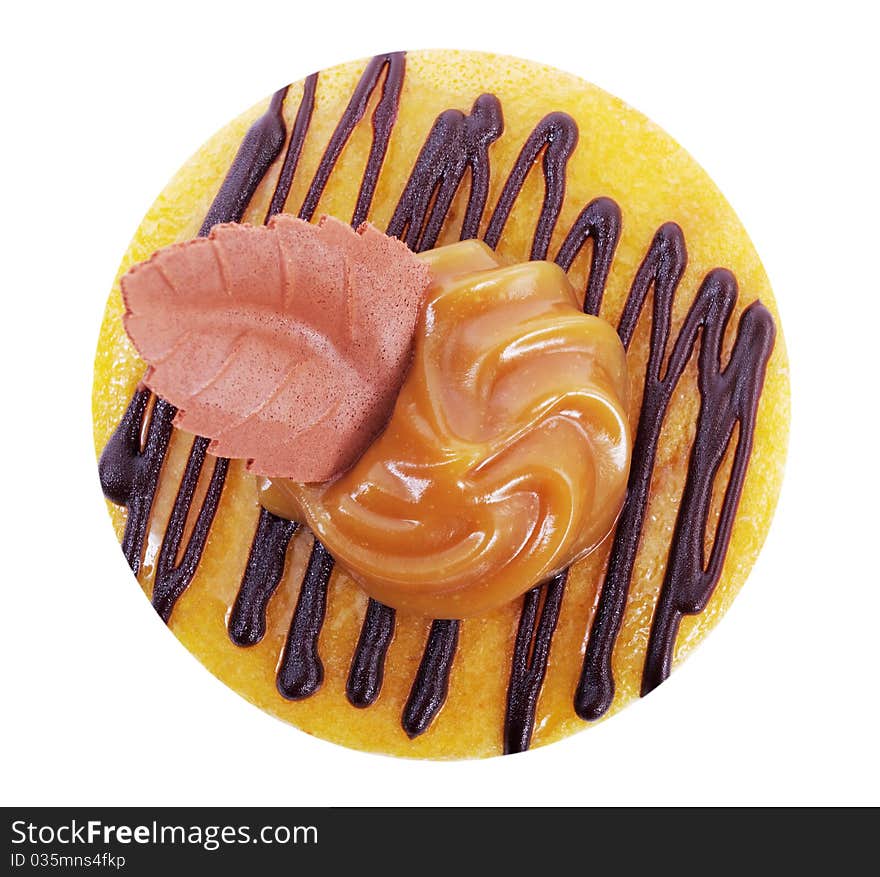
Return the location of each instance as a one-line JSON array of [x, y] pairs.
[[435, 147]]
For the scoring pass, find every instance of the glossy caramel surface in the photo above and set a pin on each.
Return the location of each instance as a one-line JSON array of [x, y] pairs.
[[507, 454]]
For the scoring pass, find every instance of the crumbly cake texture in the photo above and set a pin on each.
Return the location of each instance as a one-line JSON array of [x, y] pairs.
[[620, 154]]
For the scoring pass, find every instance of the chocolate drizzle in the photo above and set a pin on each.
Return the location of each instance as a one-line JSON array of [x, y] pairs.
[[301, 672], [294, 148], [531, 651], [556, 135], [455, 143], [173, 578], [431, 684], [265, 566], [599, 222], [255, 156], [458, 142], [129, 474], [384, 117], [728, 396], [368, 663]]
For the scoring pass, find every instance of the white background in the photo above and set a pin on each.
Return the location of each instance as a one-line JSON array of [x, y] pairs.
[[101, 103]]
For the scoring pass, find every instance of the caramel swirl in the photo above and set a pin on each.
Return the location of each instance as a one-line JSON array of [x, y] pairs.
[[507, 454]]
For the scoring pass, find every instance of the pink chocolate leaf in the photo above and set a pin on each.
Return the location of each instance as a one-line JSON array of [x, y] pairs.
[[286, 345]]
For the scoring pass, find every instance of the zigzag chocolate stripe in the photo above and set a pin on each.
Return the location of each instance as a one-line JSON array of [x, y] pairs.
[[556, 135], [727, 397]]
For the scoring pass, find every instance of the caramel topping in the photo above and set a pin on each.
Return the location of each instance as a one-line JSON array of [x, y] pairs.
[[506, 456]]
